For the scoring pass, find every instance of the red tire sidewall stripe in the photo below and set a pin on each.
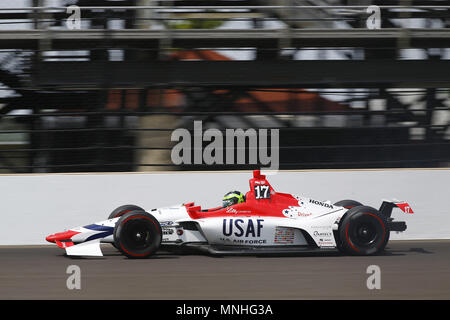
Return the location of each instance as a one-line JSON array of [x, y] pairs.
[[121, 213], [133, 217], [382, 224], [348, 239], [348, 224]]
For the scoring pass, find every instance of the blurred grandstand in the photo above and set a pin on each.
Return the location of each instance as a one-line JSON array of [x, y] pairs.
[[107, 97]]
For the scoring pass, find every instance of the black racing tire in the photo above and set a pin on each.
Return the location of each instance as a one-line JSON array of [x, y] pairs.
[[117, 212], [122, 210], [363, 231], [137, 234], [348, 204]]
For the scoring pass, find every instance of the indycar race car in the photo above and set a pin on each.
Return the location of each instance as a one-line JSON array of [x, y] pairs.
[[265, 222]]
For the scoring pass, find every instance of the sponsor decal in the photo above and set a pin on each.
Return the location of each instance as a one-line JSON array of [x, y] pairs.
[[234, 211], [243, 241], [302, 214], [249, 241], [284, 235], [242, 228], [167, 231], [325, 243], [294, 212], [320, 203], [231, 210], [322, 234], [325, 239]]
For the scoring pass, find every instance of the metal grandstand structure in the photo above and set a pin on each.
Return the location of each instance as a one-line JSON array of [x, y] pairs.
[[105, 97]]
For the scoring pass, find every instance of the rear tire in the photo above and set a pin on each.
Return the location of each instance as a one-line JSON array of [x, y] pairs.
[[363, 231], [122, 210], [137, 234], [348, 204]]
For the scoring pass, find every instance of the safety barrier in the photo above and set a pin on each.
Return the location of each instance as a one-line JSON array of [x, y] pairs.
[[34, 206]]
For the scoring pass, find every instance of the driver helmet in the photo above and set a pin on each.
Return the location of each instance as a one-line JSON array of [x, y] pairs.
[[232, 197]]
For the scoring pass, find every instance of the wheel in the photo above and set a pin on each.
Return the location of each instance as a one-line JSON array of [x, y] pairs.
[[137, 234], [348, 204], [363, 231], [122, 210]]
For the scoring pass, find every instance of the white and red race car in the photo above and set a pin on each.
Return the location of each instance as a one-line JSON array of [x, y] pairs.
[[266, 222]]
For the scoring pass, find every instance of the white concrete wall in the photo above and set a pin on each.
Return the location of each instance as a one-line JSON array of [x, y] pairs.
[[34, 206]]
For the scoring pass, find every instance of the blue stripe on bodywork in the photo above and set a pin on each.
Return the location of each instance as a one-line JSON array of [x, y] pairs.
[[107, 231], [99, 235], [97, 227]]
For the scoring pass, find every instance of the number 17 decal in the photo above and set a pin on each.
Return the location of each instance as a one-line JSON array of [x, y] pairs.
[[262, 192]]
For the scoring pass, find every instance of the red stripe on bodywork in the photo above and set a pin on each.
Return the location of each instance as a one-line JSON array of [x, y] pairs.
[[67, 235]]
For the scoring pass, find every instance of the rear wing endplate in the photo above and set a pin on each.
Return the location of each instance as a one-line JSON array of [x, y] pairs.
[[387, 206]]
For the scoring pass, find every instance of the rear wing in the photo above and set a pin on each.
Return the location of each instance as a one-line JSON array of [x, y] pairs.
[[387, 206], [386, 209]]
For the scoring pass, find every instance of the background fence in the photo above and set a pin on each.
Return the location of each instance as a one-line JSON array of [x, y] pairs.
[[107, 96]]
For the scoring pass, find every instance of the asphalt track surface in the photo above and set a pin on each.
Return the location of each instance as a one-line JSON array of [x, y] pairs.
[[409, 270]]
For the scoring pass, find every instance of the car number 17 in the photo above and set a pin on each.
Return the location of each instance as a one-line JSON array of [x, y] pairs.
[[262, 192]]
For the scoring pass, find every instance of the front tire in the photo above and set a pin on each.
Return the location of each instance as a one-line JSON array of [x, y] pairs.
[[363, 231], [120, 211], [137, 234]]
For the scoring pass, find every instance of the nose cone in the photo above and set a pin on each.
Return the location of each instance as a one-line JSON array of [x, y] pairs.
[[67, 235]]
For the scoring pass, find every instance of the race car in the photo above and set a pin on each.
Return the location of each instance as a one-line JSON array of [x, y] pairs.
[[262, 222]]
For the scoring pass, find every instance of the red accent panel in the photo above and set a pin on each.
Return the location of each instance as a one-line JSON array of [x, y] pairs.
[[67, 235], [257, 174], [64, 244], [406, 208], [272, 207]]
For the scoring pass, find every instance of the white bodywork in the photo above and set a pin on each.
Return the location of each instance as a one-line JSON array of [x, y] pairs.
[[316, 218]]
